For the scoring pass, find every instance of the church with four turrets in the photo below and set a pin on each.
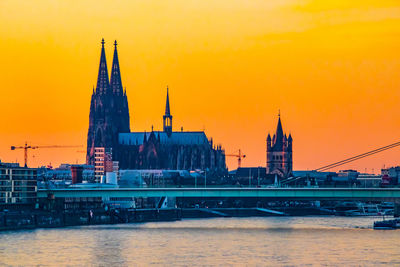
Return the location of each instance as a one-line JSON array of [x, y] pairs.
[[279, 152], [109, 127]]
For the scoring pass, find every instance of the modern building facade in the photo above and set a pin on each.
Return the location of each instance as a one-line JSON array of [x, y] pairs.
[[103, 163], [279, 152], [18, 185], [167, 149]]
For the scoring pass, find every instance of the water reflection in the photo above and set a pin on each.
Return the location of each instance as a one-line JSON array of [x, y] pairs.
[[224, 242]]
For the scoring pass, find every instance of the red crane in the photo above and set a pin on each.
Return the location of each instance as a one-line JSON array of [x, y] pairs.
[[239, 156], [26, 147]]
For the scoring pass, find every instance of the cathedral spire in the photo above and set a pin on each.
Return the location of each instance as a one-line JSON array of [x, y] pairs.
[[167, 109], [279, 129], [115, 80], [278, 141], [103, 83], [167, 118]]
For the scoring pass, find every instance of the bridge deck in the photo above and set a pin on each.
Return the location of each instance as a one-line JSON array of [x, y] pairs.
[[274, 193]]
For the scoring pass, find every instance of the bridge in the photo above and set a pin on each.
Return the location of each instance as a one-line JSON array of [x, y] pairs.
[[367, 194]]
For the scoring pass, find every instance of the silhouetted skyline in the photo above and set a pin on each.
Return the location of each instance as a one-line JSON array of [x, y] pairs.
[[332, 68]]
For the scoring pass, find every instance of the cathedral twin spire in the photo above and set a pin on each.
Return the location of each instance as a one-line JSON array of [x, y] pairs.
[[115, 81], [104, 85], [109, 110], [114, 84]]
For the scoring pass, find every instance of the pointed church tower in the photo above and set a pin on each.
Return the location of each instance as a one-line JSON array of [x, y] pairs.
[[167, 118], [121, 114], [115, 81], [279, 152], [109, 112], [119, 95], [103, 84], [278, 142]]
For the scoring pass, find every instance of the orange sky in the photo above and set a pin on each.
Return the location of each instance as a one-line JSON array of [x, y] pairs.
[[331, 67]]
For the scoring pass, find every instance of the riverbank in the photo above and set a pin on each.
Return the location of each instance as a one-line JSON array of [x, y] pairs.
[[24, 220], [42, 219]]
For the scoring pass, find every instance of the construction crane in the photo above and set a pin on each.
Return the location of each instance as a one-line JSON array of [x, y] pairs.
[[26, 147], [239, 156]]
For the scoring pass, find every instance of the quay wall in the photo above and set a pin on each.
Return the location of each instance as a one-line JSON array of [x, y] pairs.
[[15, 221], [41, 219]]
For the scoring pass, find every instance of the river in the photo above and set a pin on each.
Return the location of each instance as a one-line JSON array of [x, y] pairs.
[[271, 241]]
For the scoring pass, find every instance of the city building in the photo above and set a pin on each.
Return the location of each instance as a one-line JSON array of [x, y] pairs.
[[99, 162], [319, 176], [76, 174], [391, 176], [63, 173], [279, 152], [167, 149], [103, 163], [254, 176], [18, 186], [369, 180], [346, 176]]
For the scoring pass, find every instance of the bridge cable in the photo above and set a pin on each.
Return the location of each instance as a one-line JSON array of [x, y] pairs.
[[357, 157], [352, 159]]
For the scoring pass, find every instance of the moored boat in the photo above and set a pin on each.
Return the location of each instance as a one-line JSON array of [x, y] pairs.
[[387, 224]]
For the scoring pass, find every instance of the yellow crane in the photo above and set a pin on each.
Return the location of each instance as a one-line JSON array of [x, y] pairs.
[[26, 147]]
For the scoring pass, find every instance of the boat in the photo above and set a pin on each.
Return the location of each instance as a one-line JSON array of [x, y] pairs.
[[363, 209], [387, 224]]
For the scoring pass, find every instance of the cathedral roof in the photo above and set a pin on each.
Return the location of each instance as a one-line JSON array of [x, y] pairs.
[[176, 138]]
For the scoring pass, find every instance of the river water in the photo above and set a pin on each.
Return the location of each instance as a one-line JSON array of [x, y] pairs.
[[271, 241]]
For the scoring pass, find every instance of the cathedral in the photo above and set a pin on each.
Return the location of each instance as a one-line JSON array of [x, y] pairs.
[[279, 152], [167, 149]]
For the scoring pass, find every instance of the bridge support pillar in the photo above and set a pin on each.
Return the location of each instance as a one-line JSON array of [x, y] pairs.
[[396, 213]]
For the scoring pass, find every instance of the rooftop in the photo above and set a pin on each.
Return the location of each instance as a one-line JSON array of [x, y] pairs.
[[176, 138]]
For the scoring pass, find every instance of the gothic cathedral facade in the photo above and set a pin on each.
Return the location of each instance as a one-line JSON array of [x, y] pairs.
[[109, 127], [109, 111]]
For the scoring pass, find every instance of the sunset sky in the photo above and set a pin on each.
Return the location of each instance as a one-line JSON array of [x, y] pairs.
[[331, 67]]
